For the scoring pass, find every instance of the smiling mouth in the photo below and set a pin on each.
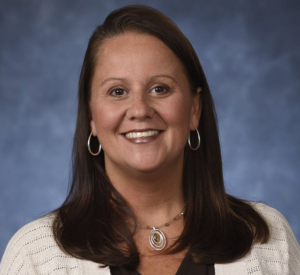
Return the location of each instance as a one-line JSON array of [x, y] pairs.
[[150, 133]]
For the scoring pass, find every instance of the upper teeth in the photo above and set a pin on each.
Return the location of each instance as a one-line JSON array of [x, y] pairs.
[[142, 134]]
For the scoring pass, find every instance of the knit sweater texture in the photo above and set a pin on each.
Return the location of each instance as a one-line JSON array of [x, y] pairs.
[[33, 251]]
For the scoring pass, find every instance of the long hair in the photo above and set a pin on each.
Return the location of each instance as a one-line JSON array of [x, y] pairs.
[[90, 225]]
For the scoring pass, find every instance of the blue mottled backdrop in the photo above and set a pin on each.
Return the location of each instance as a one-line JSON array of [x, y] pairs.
[[250, 51]]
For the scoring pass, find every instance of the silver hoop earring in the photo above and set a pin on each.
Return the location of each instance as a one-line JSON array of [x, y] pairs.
[[198, 144], [89, 147]]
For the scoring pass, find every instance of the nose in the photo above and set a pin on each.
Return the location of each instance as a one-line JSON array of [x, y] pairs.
[[139, 108]]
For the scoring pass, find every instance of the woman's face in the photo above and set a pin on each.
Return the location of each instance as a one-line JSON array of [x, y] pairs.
[[141, 106]]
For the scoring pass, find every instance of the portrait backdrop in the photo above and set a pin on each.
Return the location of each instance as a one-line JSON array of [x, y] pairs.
[[250, 52]]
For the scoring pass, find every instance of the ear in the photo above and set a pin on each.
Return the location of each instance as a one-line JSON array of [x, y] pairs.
[[92, 122], [93, 128], [196, 109]]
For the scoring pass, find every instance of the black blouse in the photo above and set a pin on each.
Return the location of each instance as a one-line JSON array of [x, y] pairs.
[[187, 267]]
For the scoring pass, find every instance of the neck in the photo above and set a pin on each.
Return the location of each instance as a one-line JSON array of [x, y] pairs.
[[153, 197]]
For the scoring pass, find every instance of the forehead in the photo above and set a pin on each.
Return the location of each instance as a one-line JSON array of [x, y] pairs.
[[136, 51], [132, 41]]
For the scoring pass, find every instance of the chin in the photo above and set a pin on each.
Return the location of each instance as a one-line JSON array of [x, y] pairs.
[[145, 167]]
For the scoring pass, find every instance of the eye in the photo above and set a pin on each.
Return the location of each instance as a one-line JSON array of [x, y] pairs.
[[159, 90], [118, 92]]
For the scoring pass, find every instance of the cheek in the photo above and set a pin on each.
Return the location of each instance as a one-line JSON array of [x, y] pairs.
[[106, 119], [179, 113]]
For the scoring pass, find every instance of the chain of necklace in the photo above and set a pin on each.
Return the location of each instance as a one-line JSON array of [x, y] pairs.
[[157, 238]]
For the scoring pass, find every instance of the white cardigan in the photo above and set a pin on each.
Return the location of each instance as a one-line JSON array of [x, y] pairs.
[[33, 250]]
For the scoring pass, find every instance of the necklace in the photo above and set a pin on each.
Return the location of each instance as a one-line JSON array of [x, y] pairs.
[[157, 238]]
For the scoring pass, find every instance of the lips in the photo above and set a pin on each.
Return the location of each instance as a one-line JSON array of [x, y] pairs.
[[141, 134]]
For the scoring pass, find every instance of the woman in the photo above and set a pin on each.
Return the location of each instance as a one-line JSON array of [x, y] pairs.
[[147, 194]]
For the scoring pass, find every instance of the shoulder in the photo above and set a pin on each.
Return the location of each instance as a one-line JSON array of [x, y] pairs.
[[271, 215], [281, 234], [31, 235], [280, 255], [32, 232], [33, 250], [30, 248]]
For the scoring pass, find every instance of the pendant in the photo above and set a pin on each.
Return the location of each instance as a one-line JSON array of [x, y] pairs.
[[157, 239]]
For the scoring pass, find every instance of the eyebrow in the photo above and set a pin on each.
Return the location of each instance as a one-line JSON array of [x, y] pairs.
[[164, 75], [111, 79], [120, 78]]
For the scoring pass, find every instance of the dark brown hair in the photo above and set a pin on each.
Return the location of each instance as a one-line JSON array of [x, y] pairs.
[[90, 225]]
